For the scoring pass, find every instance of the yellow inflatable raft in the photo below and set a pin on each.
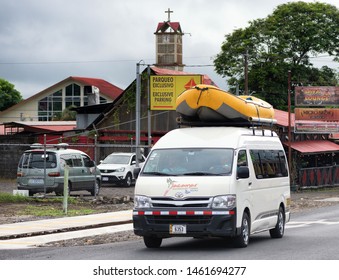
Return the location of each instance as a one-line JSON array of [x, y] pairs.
[[210, 104]]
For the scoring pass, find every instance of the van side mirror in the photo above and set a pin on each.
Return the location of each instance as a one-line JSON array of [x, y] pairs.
[[243, 172], [136, 172], [90, 163]]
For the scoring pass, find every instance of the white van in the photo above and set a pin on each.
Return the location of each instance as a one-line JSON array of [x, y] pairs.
[[213, 181], [42, 170]]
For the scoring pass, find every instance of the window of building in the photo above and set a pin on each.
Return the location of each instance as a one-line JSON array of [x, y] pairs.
[[73, 97], [50, 106]]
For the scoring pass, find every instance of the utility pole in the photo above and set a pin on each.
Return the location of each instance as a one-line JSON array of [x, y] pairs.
[[149, 120], [289, 126], [137, 115]]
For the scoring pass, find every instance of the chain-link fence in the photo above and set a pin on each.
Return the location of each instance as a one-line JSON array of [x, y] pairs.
[[11, 151]]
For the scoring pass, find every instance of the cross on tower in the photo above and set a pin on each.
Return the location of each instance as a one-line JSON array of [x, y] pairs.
[[169, 14]]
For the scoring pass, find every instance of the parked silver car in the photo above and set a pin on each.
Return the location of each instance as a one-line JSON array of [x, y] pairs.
[[41, 170]]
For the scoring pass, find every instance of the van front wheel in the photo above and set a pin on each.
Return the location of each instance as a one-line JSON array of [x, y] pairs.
[[242, 240], [96, 188], [31, 193], [60, 191], [152, 242]]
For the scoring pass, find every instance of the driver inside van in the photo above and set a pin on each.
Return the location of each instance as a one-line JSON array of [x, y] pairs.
[[222, 165], [175, 165]]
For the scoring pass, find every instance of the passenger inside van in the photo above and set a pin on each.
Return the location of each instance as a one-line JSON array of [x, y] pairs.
[[221, 165], [175, 165]]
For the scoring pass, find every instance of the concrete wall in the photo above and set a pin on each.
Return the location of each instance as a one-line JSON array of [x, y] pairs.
[[11, 149]]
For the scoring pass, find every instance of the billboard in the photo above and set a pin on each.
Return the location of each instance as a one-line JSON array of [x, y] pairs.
[[316, 114], [164, 90], [316, 127], [317, 96]]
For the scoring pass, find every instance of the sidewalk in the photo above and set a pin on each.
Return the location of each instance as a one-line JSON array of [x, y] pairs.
[[34, 233], [30, 234]]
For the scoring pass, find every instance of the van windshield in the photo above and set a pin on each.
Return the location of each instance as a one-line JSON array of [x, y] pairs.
[[36, 160], [189, 162]]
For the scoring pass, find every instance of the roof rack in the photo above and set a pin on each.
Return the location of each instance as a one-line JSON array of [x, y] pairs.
[[254, 123], [56, 146]]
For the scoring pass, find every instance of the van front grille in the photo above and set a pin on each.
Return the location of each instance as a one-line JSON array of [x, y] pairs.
[[167, 202]]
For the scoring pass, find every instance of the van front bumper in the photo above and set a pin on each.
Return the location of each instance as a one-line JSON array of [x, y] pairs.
[[198, 223]]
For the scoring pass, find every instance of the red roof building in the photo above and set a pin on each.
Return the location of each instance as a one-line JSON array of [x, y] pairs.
[[49, 104]]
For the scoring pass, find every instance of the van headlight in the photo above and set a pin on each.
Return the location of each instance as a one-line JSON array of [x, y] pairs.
[[141, 201], [224, 201]]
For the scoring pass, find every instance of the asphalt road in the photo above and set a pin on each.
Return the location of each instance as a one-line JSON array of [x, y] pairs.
[[311, 235]]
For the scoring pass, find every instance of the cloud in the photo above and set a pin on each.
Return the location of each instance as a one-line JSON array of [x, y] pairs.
[[44, 42]]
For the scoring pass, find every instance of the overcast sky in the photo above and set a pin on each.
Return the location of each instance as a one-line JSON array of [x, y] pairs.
[[44, 42]]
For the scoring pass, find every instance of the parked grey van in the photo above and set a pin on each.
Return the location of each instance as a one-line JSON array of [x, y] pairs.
[[42, 170]]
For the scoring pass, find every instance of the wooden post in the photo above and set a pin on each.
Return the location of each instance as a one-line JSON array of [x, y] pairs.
[[65, 200]]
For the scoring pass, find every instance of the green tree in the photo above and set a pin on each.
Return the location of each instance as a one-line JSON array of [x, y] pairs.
[[66, 115], [9, 96], [285, 40]]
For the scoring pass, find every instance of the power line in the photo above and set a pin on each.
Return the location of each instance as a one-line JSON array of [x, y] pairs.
[[66, 62], [88, 61], [117, 61]]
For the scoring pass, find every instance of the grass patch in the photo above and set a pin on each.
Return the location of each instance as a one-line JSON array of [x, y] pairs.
[[10, 198], [54, 211], [45, 206]]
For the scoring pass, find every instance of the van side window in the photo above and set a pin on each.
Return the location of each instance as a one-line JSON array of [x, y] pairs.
[[87, 161], [68, 160], [269, 163], [242, 158], [77, 162]]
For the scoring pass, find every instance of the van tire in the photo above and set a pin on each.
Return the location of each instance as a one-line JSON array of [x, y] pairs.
[[96, 188], [152, 241], [60, 191], [31, 193], [242, 240], [278, 231], [128, 180]]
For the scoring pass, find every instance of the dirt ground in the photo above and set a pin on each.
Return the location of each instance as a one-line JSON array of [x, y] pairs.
[[110, 199], [120, 198]]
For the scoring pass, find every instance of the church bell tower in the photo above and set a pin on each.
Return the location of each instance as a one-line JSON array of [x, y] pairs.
[[169, 44]]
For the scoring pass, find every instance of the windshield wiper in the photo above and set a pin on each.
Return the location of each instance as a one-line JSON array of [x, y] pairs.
[[159, 174], [201, 173], [198, 173]]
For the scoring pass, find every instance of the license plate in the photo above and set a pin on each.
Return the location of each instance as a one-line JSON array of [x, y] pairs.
[[104, 178], [36, 181], [177, 229]]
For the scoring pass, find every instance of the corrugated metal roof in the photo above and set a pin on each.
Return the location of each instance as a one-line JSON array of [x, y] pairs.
[[314, 146], [282, 117], [40, 127]]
